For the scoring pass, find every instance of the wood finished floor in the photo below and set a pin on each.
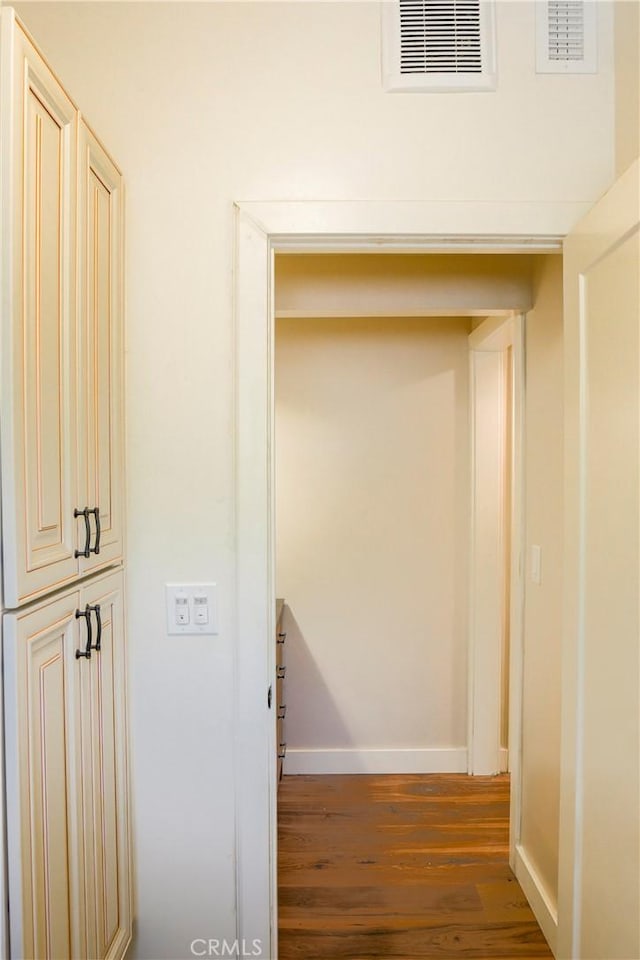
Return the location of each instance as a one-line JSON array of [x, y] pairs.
[[400, 867]]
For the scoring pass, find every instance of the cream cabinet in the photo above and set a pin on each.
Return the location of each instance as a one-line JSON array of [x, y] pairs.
[[62, 483], [66, 764], [38, 137], [61, 415], [99, 368]]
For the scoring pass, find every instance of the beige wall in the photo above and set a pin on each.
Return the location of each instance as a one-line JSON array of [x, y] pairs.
[[627, 82], [600, 838], [543, 603], [410, 285], [372, 474], [203, 104]]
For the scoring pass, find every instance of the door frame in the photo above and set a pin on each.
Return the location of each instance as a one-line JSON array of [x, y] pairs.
[[488, 344], [262, 229]]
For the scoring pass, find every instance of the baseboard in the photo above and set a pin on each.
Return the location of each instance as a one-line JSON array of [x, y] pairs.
[[540, 901], [450, 760], [504, 760]]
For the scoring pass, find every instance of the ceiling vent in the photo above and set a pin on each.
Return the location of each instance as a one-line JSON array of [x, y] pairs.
[[566, 36], [438, 45]]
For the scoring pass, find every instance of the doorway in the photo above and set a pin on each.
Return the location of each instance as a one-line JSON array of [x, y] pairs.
[[262, 229], [395, 432]]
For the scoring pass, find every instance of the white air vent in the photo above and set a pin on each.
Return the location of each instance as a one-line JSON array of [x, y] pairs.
[[566, 36], [438, 45]]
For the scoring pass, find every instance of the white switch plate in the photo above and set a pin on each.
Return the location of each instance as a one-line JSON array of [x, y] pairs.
[[207, 605], [536, 564]]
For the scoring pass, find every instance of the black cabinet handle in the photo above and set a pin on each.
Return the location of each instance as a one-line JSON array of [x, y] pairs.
[[86, 613], [98, 644], [280, 672], [282, 637], [87, 532], [96, 513]]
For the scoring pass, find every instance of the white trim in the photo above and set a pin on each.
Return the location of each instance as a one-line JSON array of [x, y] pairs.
[[487, 358], [324, 314], [486, 560], [494, 335], [540, 900], [427, 760], [504, 760], [254, 658], [420, 226], [518, 540], [262, 228]]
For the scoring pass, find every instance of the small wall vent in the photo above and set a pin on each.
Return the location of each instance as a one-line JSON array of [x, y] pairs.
[[566, 36], [438, 45]]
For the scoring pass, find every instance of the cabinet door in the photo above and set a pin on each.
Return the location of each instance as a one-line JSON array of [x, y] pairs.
[[38, 132], [100, 386], [42, 681], [105, 777]]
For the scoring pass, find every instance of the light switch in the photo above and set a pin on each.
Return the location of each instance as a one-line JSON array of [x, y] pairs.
[[191, 608], [181, 611], [200, 608], [536, 563]]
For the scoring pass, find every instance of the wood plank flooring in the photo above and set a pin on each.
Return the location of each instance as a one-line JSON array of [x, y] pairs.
[[400, 867]]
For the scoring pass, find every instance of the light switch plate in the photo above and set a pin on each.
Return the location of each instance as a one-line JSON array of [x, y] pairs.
[[206, 607]]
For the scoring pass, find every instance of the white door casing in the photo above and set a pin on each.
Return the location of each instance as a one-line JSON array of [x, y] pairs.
[[261, 229]]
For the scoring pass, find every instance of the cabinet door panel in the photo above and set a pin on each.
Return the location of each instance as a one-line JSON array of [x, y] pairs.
[[42, 679], [39, 133], [106, 814], [100, 345]]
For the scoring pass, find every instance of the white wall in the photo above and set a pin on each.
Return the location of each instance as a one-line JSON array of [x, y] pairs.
[[203, 104], [372, 474], [543, 604]]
